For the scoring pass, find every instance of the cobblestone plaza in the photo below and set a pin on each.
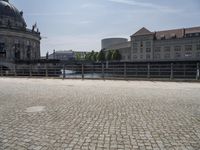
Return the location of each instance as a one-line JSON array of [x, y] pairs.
[[41, 114]]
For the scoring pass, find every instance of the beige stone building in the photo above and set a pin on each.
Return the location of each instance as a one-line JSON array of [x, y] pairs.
[[170, 45], [16, 41]]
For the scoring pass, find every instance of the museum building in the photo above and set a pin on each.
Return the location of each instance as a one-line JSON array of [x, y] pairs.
[[168, 45], [17, 42]]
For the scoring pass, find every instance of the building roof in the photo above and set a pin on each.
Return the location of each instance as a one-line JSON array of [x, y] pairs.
[[8, 10], [142, 31], [167, 34]]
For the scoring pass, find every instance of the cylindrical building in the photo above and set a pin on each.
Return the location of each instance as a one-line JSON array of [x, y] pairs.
[[16, 41]]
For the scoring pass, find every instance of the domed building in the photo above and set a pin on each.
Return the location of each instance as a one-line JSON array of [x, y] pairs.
[[16, 41]]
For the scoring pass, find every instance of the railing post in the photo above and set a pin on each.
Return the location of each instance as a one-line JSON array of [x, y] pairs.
[[103, 71], [125, 70], [82, 72], [148, 70], [15, 71], [172, 71], [198, 71], [30, 70], [1, 70], [46, 70], [63, 71]]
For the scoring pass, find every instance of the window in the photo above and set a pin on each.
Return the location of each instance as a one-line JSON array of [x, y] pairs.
[[167, 49], [141, 44], [141, 50], [2, 50], [177, 55], [188, 47], [188, 54], [17, 51], [158, 49], [157, 56], [148, 44], [29, 52], [135, 47], [141, 56], [198, 55], [148, 56], [2, 47], [148, 50], [177, 48], [198, 47], [134, 56], [167, 56], [134, 50]]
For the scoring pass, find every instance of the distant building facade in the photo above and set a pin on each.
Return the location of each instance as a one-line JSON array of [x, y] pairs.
[[65, 55], [169, 45], [120, 44], [16, 41]]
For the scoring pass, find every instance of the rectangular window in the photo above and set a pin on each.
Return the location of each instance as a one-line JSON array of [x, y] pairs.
[[157, 56], [148, 50], [134, 56], [2, 50], [158, 49], [135, 50], [141, 44], [148, 56], [177, 48], [135, 45], [188, 54], [141, 56], [188, 47], [167, 56], [198, 55], [198, 47], [2, 47], [167, 49], [177, 55], [148, 44], [141, 50]]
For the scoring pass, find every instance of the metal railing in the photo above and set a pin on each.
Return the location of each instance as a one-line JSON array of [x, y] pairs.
[[126, 70]]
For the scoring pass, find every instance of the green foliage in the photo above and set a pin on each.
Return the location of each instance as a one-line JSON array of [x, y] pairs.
[[78, 57], [109, 55], [95, 56], [101, 56], [92, 56], [116, 55]]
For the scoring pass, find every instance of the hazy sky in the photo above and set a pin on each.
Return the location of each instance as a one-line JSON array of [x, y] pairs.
[[81, 24]]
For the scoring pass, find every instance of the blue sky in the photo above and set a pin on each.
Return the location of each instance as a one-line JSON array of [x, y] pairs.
[[81, 24]]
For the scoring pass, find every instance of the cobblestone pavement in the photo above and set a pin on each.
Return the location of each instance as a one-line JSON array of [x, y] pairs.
[[41, 114]]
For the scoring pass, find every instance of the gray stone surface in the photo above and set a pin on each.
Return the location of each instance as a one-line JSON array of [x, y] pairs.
[[98, 115]]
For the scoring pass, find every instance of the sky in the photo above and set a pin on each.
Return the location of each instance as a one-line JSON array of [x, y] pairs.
[[81, 24]]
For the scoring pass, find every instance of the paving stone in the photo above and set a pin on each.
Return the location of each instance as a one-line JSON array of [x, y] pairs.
[[98, 115]]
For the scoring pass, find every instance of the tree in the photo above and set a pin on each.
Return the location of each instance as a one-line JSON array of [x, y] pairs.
[[78, 56], [95, 56], [101, 56], [109, 55], [116, 55]]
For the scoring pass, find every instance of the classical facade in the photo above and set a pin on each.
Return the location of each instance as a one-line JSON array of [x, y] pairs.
[[170, 45], [16, 41]]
